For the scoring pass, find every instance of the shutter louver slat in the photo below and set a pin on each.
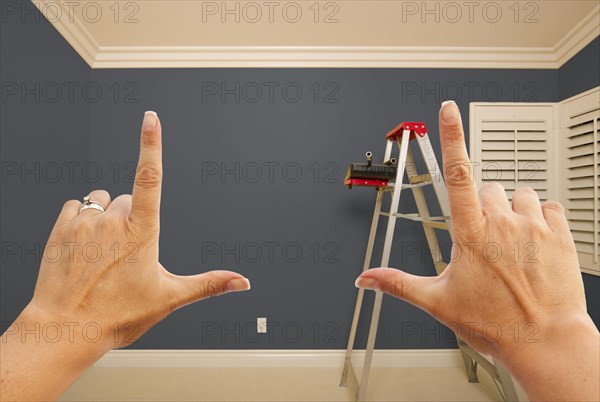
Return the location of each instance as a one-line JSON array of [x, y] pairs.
[[514, 151], [581, 171], [586, 160]]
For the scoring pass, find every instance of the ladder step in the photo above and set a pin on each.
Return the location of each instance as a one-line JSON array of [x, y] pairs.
[[436, 224], [433, 221], [416, 185], [390, 187], [420, 178]]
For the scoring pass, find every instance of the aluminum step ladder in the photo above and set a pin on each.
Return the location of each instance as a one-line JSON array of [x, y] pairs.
[[402, 135]]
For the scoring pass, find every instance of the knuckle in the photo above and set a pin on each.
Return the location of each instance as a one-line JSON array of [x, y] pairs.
[[71, 204], [454, 133], [99, 194], [151, 139], [494, 185], [210, 288], [148, 176], [458, 175], [396, 288], [490, 188], [527, 191], [553, 205], [124, 198]]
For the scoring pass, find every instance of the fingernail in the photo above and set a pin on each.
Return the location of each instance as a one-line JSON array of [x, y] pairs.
[[150, 120], [450, 113], [367, 283], [238, 285]]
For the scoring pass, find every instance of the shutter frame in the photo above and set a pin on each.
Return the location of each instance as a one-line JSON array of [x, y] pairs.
[[572, 161], [580, 174], [529, 148]]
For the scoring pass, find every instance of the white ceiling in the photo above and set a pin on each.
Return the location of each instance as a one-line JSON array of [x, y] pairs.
[[306, 33]]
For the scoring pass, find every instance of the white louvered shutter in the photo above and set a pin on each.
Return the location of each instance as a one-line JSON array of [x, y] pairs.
[[580, 176], [512, 143]]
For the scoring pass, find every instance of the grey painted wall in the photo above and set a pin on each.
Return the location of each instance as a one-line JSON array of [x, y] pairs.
[[244, 174], [44, 136], [579, 74], [205, 214], [582, 72]]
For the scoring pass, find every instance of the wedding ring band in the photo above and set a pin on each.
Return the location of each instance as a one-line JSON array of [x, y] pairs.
[[89, 204]]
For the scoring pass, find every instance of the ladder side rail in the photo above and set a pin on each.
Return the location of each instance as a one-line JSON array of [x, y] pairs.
[[388, 150], [359, 299], [423, 210], [387, 247], [439, 185]]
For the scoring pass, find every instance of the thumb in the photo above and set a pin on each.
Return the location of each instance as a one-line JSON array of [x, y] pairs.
[[422, 291], [190, 289]]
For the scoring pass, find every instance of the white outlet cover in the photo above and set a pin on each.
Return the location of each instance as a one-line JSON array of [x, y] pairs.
[[261, 325]]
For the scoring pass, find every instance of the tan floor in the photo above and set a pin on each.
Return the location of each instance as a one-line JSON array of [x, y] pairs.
[[275, 384]]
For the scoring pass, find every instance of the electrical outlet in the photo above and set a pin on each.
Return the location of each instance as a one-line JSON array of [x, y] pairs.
[[261, 325]]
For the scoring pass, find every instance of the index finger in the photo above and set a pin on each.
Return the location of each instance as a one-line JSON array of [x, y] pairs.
[[462, 192], [145, 202]]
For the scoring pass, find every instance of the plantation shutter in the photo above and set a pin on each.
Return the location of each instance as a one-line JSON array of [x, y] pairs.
[[580, 181], [512, 144]]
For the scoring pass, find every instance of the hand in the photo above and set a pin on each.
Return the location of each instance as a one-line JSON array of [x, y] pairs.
[[513, 286], [101, 284], [127, 285]]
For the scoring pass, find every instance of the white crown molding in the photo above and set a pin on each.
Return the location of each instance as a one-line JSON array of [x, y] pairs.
[[322, 56], [579, 37], [262, 358]]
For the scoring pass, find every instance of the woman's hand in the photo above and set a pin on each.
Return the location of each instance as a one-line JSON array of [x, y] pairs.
[[513, 288], [111, 274], [100, 284]]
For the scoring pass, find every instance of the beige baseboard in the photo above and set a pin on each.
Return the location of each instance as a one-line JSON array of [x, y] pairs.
[[277, 358]]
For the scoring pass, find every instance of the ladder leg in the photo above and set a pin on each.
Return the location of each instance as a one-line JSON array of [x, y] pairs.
[[362, 394], [506, 381], [361, 292], [350, 347], [385, 259], [470, 365], [439, 185]]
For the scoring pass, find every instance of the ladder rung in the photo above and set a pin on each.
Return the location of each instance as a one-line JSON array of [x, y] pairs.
[[415, 185], [420, 178], [436, 224], [389, 187], [430, 220]]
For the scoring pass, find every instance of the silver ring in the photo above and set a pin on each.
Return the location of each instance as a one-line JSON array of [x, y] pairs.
[[89, 204]]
